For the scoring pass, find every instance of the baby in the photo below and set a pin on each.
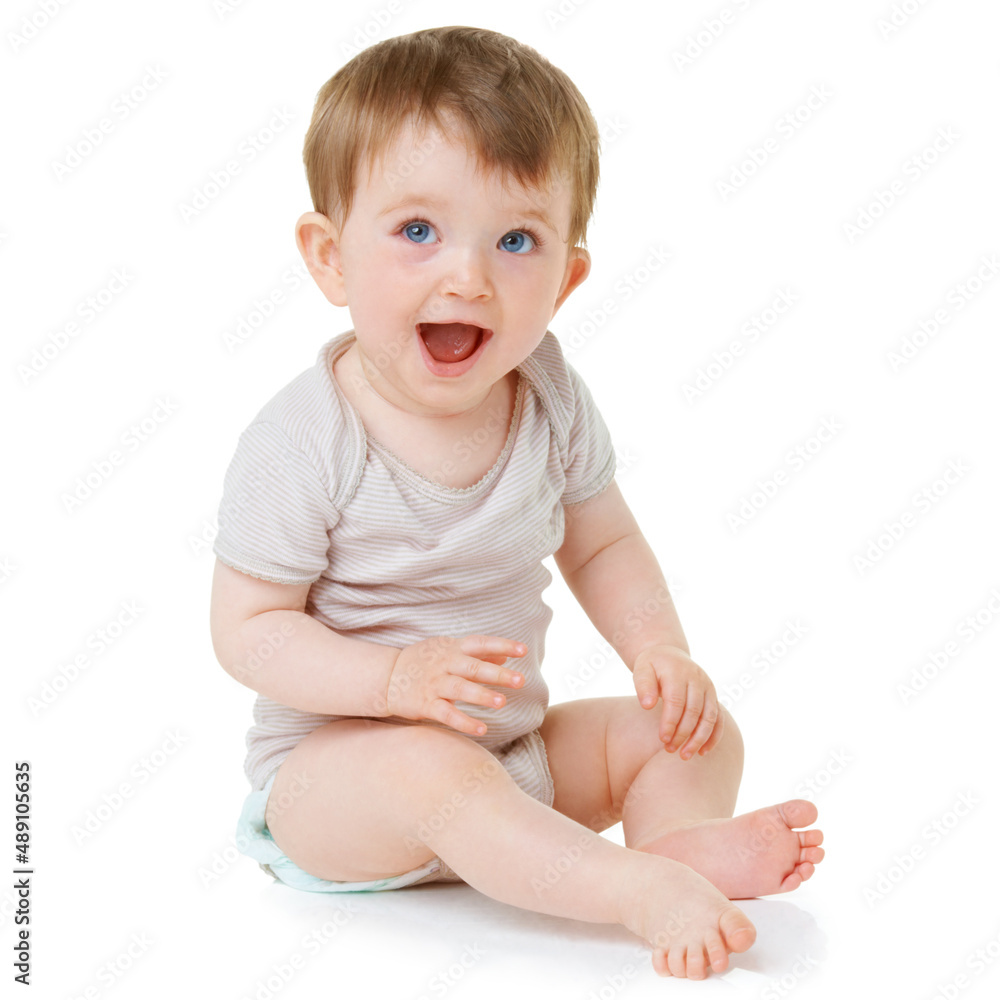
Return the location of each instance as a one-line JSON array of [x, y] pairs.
[[383, 526]]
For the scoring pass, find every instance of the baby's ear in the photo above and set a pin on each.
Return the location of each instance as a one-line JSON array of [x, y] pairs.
[[318, 242], [577, 269]]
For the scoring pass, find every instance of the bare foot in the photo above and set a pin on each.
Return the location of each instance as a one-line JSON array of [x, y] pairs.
[[690, 924], [755, 854]]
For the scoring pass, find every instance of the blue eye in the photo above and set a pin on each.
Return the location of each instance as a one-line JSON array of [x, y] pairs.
[[419, 232], [517, 241]]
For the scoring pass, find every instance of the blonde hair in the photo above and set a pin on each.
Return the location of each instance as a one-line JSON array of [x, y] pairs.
[[519, 114]]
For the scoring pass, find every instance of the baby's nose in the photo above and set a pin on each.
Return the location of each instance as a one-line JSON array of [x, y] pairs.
[[467, 274]]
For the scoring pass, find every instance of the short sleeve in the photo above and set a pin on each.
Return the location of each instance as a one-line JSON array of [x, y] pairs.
[[590, 462], [275, 515]]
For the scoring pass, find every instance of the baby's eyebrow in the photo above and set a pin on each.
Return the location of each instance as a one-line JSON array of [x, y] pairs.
[[532, 214], [429, 202], [413, 201]]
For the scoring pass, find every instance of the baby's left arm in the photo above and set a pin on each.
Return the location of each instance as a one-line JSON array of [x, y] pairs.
[[613, 573]]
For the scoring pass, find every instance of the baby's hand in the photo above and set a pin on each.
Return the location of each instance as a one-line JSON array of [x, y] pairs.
[[429, 676], [691, 717]]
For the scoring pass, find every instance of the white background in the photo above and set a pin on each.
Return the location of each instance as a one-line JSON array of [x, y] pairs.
[[827, 716]]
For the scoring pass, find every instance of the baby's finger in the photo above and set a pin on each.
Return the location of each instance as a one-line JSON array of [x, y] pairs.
[[689, 720], [458, 689], [647, 687], [720, 725], [488, 646], [486, 672], [702, 732], [444, 711], [674, 700], [498, 658]]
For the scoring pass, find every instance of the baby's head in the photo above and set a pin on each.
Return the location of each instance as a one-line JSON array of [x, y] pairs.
[[509, 105], [453, 173]]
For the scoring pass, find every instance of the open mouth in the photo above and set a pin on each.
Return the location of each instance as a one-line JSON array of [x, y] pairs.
[[452, 348]]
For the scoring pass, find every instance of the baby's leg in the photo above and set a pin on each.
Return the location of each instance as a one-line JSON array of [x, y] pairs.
[[681, 809], [608, 763], [382, 799]]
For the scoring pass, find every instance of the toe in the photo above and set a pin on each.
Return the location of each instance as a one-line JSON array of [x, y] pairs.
[[798, 812], [737, 931], [718, 957], [811, 838], [813, 854], [677, 961], [794, 880], [696, 964], [660, 962]]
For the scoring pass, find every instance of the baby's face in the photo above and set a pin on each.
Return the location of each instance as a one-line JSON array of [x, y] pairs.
[[451, 281]]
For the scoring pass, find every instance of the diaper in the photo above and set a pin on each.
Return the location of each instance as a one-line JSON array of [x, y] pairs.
[[524, 759]]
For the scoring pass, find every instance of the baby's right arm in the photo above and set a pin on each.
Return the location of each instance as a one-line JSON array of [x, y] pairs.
[[264, 639]]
